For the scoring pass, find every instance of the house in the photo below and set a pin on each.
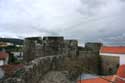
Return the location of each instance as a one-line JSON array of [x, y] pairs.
[[18, 55], [119, 77], [4, 58], [5, 44], [112, 57], [10, 69], [97, 80]]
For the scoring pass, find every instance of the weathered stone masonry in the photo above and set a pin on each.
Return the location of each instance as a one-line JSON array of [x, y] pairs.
[[48, 46], [54, 53]]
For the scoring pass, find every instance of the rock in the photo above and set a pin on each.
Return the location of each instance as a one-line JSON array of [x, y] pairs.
[[56, 77]]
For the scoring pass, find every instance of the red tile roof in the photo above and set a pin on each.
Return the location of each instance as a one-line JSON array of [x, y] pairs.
[[96, 80], [3, 55], [113, 49], [120, 72], [10, 69]]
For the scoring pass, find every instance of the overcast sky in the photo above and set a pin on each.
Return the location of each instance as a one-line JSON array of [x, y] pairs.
[[85, 20]]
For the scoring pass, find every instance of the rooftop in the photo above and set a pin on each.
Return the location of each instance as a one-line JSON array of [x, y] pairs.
[[10, 69], [96, 80], [106, 79], [113, 49], [3, 55]]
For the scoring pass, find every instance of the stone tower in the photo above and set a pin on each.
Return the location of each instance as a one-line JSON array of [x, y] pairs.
[[93, 46], [70, 47], [35, 47], [32, 48], [53, 45]]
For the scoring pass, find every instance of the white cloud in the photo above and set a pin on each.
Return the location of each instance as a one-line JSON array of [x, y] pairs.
[[85, 20]]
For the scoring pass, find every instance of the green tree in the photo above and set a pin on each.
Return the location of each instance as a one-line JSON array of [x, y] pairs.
[[12, 58]]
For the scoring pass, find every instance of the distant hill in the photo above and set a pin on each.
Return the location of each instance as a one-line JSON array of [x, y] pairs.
[[12, 40]]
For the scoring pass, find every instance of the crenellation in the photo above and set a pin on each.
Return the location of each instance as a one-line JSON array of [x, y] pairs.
[[57, 54], [70, 47], [93, 46], [49, 46]]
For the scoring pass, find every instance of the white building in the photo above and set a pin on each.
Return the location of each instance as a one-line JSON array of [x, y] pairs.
[[2, 73], [114, 51], [18, 55], [4, 58]]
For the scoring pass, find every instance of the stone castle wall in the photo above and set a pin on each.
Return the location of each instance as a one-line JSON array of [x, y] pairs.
[[110, 64], [70, 47], [53, 45], [55, 54], [33, 48], [35, 70], [91, 61], [48, 46], [93, 46]]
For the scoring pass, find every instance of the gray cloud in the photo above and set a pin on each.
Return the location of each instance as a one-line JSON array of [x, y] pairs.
[[85, 20]]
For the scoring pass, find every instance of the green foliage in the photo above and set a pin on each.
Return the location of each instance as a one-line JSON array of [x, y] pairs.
[[17, 62], [12, 48], [19, 73], [12, 58], [12, 40]]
